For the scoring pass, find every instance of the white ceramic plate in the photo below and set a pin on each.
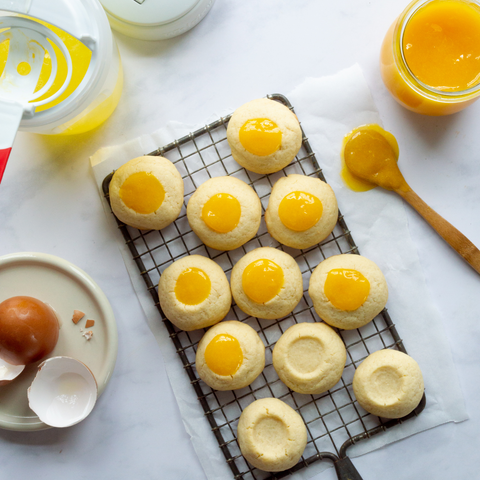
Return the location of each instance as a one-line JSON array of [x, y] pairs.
[[65, 288]]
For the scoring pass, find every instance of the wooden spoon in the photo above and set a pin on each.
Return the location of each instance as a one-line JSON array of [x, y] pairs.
[[369, 156]]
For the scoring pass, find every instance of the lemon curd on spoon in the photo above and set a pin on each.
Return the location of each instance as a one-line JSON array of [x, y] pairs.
[[369, 156]]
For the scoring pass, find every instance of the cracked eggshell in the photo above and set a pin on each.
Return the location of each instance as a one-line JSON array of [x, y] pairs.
[[63, 393], [9, 372]]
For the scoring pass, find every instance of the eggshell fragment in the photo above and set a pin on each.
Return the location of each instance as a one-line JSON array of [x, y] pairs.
[[88, 335], [89, 323], [63, 392], [9, 372], [77, 316]]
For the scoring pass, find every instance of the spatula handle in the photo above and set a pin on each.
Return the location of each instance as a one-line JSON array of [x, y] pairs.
[[4, 154], [10, 116], [457, 240]]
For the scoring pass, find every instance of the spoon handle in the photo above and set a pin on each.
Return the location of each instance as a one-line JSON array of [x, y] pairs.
[[457, 240]]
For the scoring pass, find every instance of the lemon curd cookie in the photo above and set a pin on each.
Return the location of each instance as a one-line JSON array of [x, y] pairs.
[[264, 136], [348, 291], [147, 193], [309, 358], [302, 211], [224, 212], [266, 283], [230, 356], [389, 384], [194, 293], [272, 436]]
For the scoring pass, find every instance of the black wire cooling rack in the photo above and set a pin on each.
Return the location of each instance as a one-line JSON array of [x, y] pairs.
[[334, 420]]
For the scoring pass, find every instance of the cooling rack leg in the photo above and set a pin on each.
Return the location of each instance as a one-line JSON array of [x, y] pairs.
[[345, 470]]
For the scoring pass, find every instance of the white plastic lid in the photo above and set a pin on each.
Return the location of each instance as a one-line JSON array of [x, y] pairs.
[[72, 16], [148, 12]]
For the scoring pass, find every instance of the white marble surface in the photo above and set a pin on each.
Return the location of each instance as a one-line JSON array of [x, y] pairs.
[[242, 50]]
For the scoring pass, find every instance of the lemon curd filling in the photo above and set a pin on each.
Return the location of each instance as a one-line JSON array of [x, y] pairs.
[[193, 286], [262, 280], [224, 355], [346, 289], [300, 211], [260, 136], [222, 212], [441, 44], [142, 192], [368, 151]]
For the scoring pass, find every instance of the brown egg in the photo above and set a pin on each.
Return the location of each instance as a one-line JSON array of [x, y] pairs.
[[28, 330]]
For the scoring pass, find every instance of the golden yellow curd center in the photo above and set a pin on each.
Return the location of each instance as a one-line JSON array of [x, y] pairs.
[[193, 286], [222, 212], [262, 280], [368, 153], [224, 355], [441, 44], [142, 192], [300, 211], [346, 289], [260, 136]]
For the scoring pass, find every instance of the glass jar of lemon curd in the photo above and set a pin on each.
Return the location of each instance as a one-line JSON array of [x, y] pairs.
[[430, 57], [96, 82]]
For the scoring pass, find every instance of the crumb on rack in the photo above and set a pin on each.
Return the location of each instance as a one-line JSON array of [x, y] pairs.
[[89, 323], [88, 335], [77, 316]]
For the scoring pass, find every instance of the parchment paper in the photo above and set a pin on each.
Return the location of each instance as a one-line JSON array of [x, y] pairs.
[[329, 108]]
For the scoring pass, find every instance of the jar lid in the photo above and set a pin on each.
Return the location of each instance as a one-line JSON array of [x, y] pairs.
[[148, 12]]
